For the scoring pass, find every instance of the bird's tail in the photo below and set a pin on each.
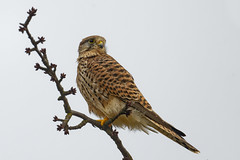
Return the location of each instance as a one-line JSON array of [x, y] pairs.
[[172, 133]]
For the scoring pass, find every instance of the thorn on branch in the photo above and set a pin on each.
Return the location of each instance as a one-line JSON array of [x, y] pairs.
[[62, 76], [52, 79], [66, 132], [55, 119], [73, 90], [64, 124], [53, 66], [59, 127], [32, 11], [43, 50], [41, 40], [115, 132], [21, 29], [37, 66], [28, 50]]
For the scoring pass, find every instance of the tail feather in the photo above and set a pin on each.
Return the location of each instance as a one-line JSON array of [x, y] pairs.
[[172, 133], [153, 120]]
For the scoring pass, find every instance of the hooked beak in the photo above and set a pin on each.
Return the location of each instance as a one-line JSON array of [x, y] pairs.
[[100, 44]]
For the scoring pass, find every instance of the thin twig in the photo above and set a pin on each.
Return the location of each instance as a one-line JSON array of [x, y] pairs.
[[113, 134], [79, 126], [50, 69]]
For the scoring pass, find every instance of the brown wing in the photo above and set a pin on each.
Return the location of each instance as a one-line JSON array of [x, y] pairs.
[[113, 78], [116, 81]]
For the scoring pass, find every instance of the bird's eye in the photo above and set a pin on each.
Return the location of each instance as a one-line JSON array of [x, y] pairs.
[[91, 41]]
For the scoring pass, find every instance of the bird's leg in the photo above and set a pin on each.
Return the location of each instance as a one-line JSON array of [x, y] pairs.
[[103, 120], [127, 111]]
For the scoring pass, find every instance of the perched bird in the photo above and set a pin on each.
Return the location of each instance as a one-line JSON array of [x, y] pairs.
[[107, 88]]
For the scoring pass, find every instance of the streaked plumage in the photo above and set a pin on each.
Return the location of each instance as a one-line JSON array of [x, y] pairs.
[[107, 87]]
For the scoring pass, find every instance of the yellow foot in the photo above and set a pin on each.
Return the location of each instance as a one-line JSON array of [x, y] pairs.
[[103, 120]]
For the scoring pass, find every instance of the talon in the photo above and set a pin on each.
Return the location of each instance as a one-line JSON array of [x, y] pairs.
[[102, 121], [128, 112], [129, 103]]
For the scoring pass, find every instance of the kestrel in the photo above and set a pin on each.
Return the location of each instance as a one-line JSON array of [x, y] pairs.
[[108, 87]]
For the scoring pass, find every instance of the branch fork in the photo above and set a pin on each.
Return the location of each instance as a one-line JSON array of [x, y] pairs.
[[50, 69]]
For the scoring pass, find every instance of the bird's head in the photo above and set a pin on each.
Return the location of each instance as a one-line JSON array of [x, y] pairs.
[[92, 45]]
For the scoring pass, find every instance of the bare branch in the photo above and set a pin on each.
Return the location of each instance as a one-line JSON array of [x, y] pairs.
[[112, 133], [50, 69], [79, 126]]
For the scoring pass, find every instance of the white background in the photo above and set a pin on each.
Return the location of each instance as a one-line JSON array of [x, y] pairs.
[[184, 56]]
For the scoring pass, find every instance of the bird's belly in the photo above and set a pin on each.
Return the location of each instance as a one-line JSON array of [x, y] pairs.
[[110, 106], [90, 96], [134, 121]]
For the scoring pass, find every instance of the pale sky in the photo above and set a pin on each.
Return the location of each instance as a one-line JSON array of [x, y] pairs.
[[184, 56]]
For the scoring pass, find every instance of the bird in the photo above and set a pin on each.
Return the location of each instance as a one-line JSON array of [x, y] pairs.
[[108, 87]]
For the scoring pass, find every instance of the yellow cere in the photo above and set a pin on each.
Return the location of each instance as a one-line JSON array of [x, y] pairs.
[[100, 42]]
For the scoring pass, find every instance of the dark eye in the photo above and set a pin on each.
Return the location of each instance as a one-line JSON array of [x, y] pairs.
[[91, 41]]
